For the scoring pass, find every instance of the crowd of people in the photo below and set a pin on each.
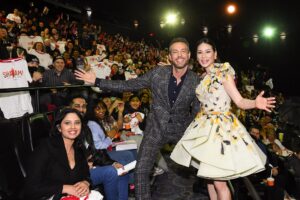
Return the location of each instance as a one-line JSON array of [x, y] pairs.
[[59, 53]]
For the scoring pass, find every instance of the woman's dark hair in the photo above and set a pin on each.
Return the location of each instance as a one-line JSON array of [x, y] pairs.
[[102, 104], [91, 116], [206, 40], [134, 96], [91, 111], [128, 108], [59, 118], [35, 44], [210, 42]]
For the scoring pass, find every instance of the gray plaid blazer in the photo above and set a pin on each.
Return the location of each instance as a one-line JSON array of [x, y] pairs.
[[162, 118]]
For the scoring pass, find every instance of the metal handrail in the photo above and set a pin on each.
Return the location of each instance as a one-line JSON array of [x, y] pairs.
[[3, 90], [37, 91]]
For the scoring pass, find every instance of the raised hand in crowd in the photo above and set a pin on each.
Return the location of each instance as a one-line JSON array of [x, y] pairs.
[[89, 77]]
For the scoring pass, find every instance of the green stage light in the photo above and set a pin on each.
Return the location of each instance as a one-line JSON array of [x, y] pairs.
[[269, 32]]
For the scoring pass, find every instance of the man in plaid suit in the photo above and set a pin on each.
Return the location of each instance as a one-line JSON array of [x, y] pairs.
[[173, 108]]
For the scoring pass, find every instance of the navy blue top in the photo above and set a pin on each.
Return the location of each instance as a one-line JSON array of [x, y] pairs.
[[174, 89]]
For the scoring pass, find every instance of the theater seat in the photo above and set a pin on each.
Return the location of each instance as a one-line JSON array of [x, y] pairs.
[[35, 128], [12, 157]]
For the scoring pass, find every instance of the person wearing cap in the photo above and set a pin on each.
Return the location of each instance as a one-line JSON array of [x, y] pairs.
[[35, 70], [57, 76]]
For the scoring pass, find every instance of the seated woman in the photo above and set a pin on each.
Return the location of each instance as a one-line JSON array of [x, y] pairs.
[[104, 129], [272, 139], [58, 166], [38, 50], [103, 169], [115, 108]]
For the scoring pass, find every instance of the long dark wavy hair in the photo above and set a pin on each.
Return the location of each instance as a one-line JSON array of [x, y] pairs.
[[59, 118], [91, 115]]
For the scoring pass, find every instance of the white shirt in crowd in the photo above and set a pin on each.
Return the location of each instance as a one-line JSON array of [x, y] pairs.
[[14, 74], [14, 18], [44, 58], [27, 42], [134, 122]]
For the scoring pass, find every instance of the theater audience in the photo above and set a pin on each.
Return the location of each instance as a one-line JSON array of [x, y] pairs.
[[58, 76], [121, 54], [102, 167]]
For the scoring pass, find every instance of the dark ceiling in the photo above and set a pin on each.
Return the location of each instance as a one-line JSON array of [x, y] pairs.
[[251, 13]]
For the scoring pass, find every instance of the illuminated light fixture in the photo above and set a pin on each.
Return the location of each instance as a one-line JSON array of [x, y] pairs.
[[283, 36], [255, 38], [89, 12], [205, 30], [171, 19], [231, 9], [135, 23], [229, 28], [269, 32], [182, 21], [162, 24]]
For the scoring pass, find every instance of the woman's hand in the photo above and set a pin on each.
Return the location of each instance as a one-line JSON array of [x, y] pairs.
[[264, 103], [70, 190], [112, 133], [82, 188], [117, 165]]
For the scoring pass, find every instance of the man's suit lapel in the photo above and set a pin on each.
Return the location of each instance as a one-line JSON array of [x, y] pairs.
[[165, 85]]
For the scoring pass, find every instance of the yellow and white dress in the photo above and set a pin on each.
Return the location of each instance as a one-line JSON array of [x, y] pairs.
[[216, 142]]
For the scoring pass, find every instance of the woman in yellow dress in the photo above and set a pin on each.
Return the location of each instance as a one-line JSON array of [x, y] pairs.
[[216, 142]]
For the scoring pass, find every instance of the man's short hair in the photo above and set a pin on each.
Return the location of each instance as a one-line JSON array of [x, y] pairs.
[[256, 126], [179, 39], [77, 96], [3, 27]]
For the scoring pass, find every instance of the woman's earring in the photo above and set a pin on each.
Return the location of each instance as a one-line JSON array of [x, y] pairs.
[[58, 127]]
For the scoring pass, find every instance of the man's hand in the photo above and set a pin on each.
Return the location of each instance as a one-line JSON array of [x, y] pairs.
[[275, 171], [66, 83], [89, 77], [36, 76]]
